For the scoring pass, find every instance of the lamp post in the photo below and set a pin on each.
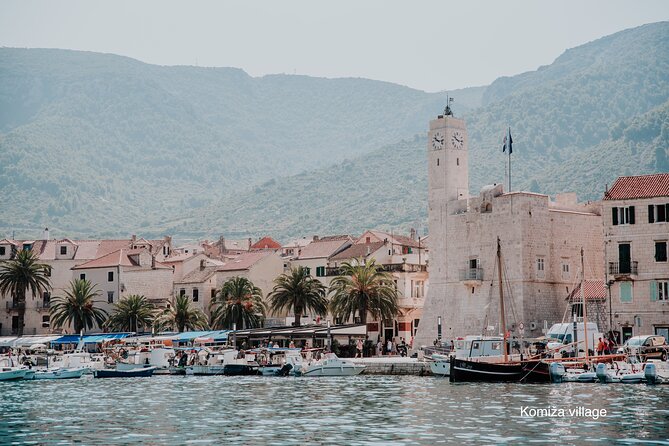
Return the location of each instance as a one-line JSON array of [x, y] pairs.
[[329, 339], [234, 335], [609, 284], [439, 328]]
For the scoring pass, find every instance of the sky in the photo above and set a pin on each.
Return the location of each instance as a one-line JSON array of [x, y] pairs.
[[429, 45]]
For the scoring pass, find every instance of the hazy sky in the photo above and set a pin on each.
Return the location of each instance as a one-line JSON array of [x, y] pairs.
[[430, 45]]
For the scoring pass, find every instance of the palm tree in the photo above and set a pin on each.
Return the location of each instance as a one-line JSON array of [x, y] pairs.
[[77, 307], [300, 292], [130, 313], [361, 288], [22, 274], [238, 302], [181, 315]]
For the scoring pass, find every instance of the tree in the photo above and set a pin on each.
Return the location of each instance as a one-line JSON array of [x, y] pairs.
[[363, 287], [130, 313], [239, 302], [181, 315], [77, 307], [21, 274], [298, 291]]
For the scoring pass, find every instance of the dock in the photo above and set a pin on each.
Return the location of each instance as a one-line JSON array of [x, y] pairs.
[[393, 365]]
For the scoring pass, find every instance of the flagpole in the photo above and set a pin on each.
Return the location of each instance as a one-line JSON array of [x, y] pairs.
[[509, 170]]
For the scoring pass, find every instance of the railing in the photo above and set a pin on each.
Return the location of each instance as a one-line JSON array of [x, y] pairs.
[[15, 305], [624, 268], [471, 274], [389, 268]]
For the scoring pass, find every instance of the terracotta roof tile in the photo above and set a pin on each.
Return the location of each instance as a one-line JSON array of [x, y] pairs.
[[198, 275], [641, 186], [323, 249], [592, 290], [266, 243], [243, 261], [116, 258]]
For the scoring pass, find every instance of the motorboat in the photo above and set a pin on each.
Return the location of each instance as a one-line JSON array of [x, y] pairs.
[[159, 357], [60, 373], [559, 373], [621, 372], [330, 365], [10, 372], [115, 373], [656, 372], [274, 361], [212, 362], [77, 359]]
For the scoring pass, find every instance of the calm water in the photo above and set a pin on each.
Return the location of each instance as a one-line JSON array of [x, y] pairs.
[[297, 411]]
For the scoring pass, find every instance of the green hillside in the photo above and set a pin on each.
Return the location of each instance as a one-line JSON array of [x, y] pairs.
[[101, 145]]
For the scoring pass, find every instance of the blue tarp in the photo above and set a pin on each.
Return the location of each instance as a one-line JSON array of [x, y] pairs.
[[188, 336], [89, 339]]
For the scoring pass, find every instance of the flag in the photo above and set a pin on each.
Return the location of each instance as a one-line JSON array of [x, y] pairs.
[[508, 141]]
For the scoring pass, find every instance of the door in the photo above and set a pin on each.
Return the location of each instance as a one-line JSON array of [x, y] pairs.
[[624, 259], [627, 333]]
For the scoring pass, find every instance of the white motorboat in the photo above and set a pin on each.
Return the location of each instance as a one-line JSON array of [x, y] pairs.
[[76, 360], [10, 372], [330, 365], [656, 372], [621, 372], [559, 373], [211, 362], [59, 373], [158, 357]]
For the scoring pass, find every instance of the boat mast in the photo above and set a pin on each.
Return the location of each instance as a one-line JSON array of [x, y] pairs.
[[585, 310], [502, 319]]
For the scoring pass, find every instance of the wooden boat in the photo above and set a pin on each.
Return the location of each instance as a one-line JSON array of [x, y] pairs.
[[113, 373], [468, 370]]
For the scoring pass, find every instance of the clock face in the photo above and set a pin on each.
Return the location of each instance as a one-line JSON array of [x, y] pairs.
[[437, 141], [457, 140]]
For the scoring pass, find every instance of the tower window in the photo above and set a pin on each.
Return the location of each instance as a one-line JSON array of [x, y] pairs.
[[437, 161], [457, 161]]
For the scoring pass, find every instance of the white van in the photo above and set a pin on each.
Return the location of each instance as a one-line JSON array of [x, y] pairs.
[[564, 334]]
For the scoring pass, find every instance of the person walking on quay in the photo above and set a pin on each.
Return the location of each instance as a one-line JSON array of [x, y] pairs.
[[358, 349], [403, 347], [379, 348], [389, 347]]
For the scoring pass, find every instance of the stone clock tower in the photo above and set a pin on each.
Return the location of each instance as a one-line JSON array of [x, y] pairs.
[[448, 182]]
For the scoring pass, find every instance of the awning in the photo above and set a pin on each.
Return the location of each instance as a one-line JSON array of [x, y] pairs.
[[214, 336], [27, 341], [89, 339], [7, 341], [188, 336]]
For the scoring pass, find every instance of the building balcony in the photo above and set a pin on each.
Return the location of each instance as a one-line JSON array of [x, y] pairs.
[[623, 269], [15, 305], [389, 268], [471, 274], [41, 305]]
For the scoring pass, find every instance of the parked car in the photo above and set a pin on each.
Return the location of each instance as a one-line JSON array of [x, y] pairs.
[[646, 347]]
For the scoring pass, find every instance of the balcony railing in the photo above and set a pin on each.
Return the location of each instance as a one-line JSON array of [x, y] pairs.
[[389, 267], [471, 274], [623, 268], [15, 305], [43, 305]]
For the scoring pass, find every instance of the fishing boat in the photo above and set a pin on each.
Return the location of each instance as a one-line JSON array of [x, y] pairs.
[[114, 373], [59, 373], [467, 347]]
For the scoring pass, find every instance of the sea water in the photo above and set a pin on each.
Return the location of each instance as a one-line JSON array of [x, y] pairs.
[[382, 410]]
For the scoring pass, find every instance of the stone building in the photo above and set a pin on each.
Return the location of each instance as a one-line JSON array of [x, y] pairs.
[[540, 243], [636, 233]]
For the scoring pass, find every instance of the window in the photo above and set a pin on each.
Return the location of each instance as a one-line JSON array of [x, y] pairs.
[[437, 161], [623, 215], [625, 291], [63, 250], [46, 299], [457, 161], [658, 213], [27, 246], [15, 324], [320, 271], [540, 267], [417, 288], [3, 251], [110, 276], [182, 292], [110, 297], [196, 294], [82, 276], [565, 270], [213, 293], [45, 321], [660, 251], [659, 290], [662, 331]]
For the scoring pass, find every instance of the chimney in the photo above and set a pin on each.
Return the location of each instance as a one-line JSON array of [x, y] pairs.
[[133, 239], [413, 234], [315, 239], [202, 264], [46, 233], [221, 245]]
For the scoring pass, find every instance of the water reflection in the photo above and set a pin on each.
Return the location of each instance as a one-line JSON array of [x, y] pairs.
[[294, 411]]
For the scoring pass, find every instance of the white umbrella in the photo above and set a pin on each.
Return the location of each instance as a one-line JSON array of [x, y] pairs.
[[38, 347]]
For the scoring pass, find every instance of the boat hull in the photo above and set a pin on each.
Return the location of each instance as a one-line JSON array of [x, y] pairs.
[[440, 368], [333, 370], [463, 370], [60, 374], [239, 370], [145, 372], [12, 375]]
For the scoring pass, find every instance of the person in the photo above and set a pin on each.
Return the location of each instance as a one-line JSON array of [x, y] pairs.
[[379, 348], [358, 348], [600, 347], [393, 350], [403, 347], [292, 344], [389, 347], [411, 342], [452, 345]]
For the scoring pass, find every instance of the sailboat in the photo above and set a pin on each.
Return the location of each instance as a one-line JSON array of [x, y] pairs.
[[490, 369]]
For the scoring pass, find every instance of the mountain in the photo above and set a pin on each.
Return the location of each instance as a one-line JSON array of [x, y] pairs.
[[98, 144], [101, 145]]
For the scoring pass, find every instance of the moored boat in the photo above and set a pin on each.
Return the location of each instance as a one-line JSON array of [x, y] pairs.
[[60, 373], [113, 373], [330, 365], [620, 373], [12, 373]]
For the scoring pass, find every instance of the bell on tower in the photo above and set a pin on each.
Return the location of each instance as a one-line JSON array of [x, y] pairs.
[[447, 110]]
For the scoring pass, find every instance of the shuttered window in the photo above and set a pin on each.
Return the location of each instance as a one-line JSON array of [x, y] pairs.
[[626, 291], [660, 251]]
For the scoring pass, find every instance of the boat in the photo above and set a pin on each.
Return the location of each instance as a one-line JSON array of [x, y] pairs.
[[159, 357], [59, 373], [468, 347], [330, 365], [240, 369], [559, 374], [78, 359], [12, 373], [114, 373], [274, 361], [213, 362], [656, 373], [621, 372]]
